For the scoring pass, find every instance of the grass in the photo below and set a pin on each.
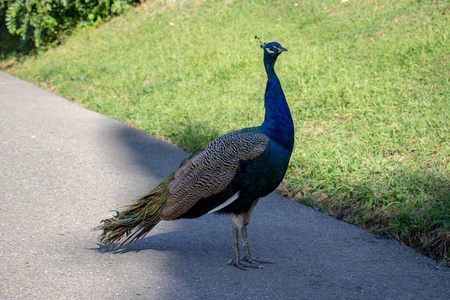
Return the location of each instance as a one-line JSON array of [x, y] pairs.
[[367, 82]]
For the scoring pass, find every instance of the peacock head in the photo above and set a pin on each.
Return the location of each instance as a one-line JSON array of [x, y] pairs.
[[273, 49]]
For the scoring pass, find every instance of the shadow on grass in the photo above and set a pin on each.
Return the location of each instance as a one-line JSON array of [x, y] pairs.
[[411, 208], [194, 136], [189, 252]]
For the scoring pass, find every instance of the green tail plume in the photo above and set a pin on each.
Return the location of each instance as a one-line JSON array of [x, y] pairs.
[[137, 219]]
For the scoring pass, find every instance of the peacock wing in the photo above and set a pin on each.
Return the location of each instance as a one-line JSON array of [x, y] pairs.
[[211, 170]]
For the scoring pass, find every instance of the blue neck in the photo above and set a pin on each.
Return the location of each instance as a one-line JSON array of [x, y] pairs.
[[277, 123]]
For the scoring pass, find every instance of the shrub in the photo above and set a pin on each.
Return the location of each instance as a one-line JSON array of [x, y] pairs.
[[43, 21]]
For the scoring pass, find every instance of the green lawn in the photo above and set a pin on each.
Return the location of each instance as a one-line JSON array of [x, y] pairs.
[[368, 83]]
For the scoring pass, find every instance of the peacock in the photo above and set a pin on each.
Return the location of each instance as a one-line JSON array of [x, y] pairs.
[[228, 176]]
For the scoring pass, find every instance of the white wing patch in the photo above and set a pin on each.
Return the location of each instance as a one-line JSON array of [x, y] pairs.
[[226, 203]]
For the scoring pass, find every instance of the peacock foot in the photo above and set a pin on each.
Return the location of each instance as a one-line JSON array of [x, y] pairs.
[[256, 260], [244, 263]]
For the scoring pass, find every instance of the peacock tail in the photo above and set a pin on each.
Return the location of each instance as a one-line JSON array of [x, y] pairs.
[[136, 219], [201, 184]]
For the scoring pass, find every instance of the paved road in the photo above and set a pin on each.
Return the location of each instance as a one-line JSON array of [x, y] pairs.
[[63, 168]]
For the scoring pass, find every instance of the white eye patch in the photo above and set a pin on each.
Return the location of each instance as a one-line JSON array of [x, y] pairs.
[[269, 50]]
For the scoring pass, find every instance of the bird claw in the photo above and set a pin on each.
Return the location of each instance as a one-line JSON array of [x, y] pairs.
[[249, 262], [241, 264], [257, 260]]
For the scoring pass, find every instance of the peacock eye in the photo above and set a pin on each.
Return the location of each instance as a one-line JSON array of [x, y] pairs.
[[270, 49]]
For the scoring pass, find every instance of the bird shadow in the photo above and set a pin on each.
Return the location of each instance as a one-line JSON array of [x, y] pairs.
[[189, 244]]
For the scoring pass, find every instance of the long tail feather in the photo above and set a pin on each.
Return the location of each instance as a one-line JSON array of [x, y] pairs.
[[137, 218]]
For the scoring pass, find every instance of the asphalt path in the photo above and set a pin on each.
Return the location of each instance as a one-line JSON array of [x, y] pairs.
[[64, 168]]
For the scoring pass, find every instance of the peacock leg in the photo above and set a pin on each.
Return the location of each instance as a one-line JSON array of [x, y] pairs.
[[236, 261], [247, 257]]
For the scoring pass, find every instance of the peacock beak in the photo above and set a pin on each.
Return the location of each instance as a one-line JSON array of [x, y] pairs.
[[281, 49]]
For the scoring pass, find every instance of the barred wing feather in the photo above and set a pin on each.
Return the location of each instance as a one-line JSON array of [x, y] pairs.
[[211, 170]]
